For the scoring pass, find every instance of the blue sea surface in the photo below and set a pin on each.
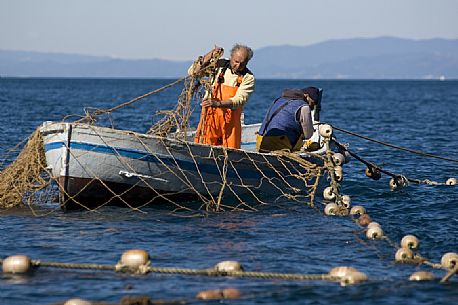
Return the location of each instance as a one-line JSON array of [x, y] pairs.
[[285, 237]]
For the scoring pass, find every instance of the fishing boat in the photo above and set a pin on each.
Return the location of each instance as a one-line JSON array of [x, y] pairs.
[[95, 166]]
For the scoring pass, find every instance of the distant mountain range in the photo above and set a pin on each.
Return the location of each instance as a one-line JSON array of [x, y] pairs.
[[369, 58]]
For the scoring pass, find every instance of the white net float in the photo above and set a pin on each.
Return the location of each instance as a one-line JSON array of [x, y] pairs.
[[134, 258], [331, 209], [422, 276], [338, 173], [338, 159], [373, 224], [409, 242], [451, 181], [357, 210], [393, 185], [328, 194], [353, 278], [398, 182], [347, 156], [325, 130], [228, 266], [449, 260], [374, 232], [341, 271], [346, 201], [17, 264], [403, 254], [77, 302]]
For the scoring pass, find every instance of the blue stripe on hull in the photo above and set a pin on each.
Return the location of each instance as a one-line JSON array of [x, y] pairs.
[[154, 158], [128, 153]]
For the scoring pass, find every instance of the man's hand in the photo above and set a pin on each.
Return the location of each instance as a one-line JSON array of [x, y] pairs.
[[310, 101], [208, 102], [215, 53], [203, 61]]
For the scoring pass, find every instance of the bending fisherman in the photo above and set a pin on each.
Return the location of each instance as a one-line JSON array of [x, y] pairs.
[[289, 120]]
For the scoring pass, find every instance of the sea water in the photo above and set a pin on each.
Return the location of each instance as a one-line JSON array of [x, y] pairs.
[[285, 237]]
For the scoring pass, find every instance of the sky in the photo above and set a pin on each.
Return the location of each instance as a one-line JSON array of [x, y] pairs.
[[182, 30]]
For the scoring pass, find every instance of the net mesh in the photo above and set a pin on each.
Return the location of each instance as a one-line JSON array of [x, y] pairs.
[[26, 175]]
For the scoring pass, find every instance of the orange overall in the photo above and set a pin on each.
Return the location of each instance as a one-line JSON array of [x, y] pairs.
[[221, 126]]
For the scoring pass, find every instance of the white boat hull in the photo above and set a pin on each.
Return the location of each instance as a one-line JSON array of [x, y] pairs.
[[96, 166]]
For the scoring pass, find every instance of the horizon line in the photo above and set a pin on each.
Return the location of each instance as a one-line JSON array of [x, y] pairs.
[[186, 60]]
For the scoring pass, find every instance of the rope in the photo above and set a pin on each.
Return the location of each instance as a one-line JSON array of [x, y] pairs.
[[417, 152], [452, 271], [245, 274], [102, 111], [143, 269], [38, 263], [365, 162], [398, 178]]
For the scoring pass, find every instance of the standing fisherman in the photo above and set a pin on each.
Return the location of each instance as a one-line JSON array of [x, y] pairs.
[[220, 120]]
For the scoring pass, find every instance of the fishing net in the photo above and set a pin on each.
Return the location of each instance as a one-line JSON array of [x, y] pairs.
[[174, 170], [26, 175]]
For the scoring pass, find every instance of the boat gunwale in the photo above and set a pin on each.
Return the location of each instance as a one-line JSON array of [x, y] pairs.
[[45, 130]]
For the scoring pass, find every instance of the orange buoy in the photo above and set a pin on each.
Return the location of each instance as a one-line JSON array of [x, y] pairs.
[[214, 294], [364, 220], [231, 293]]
